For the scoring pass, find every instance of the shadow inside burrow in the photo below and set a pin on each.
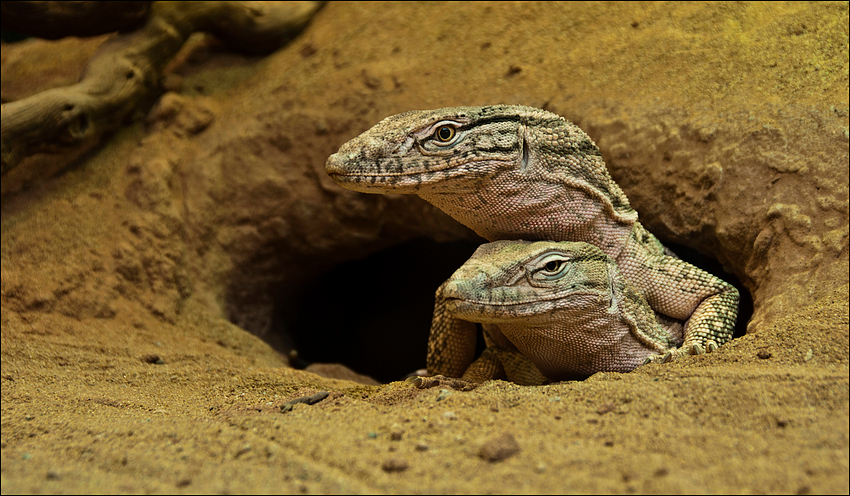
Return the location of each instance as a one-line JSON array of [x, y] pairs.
[[373, 314]]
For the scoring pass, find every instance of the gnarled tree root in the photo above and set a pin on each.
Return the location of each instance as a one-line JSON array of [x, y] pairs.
[[126, 70]]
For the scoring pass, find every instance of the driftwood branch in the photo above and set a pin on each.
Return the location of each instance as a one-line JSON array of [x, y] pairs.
[[126, 70]]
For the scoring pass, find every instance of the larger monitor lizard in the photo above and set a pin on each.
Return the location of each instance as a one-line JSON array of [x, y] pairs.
[[519, 173]]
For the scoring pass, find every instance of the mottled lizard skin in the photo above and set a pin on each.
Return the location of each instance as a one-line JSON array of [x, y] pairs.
[[512, 172], [563, 306]]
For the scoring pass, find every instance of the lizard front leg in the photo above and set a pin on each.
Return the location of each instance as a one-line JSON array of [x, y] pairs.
[[451, 350], [451, 344], [682, 291]]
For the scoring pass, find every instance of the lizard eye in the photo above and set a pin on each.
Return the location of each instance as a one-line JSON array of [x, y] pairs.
[[551, 268], [445, 134], [554, 265]]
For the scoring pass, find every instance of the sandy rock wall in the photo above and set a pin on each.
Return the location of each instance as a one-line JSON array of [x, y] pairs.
[[224, 199]]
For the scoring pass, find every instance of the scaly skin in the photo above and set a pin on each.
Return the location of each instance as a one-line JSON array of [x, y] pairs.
[[511, 172], [552, 311]]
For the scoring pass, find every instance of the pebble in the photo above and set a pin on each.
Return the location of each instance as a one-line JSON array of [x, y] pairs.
[[395, 465], [499, 448]]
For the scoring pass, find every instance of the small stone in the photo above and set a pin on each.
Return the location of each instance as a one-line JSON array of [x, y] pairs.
[[152, 358], [421, 447], [307, 50], [609, 443], [782, 422], [763, 354], [513, 70], [396, 435], [499, 448], [394, 465], [808, 355], [53, 475], [449, 416], [661, 472], [605, 408]]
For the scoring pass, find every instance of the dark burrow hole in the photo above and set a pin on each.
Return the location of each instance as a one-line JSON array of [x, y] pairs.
[[373, 315]]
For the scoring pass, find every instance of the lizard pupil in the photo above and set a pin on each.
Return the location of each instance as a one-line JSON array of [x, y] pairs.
[[445, 133], [553, 266]]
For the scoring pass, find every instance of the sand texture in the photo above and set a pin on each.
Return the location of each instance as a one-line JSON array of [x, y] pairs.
[[153, 285]]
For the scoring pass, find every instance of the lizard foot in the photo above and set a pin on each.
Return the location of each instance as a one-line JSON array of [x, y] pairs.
[[441, 380], [673, 353]]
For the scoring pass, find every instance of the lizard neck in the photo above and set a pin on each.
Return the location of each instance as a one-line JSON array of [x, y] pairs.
[[588, 344], [512, 206], [553, 185]]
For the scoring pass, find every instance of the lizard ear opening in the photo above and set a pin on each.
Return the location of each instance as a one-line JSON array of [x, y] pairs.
[[523, 138]]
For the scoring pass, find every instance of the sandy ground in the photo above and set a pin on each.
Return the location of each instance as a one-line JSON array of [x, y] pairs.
[[122, 374]]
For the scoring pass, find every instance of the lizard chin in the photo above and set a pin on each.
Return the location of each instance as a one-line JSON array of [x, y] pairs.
[[575, 306]]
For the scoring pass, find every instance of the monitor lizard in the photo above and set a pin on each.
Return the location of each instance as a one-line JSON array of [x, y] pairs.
[[511, 172], [551, 311]]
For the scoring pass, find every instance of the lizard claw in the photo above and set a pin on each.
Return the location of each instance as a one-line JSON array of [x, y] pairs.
[[698, 349], [441, 380], [668, 356], [673, 353]]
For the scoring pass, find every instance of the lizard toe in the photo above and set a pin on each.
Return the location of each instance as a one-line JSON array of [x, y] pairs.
[[667, 356], [710, 346], [697, 349], [441, 380]]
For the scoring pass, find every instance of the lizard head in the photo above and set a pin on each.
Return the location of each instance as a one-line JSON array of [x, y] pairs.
[[533, 283], [505, 171], [419, 151]]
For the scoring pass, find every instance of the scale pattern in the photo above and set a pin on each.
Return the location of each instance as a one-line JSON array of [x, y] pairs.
[[553, 311], [519, 173]]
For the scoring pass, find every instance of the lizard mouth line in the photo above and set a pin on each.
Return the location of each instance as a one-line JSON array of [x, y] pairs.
[[336, 175], [516, 303]]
